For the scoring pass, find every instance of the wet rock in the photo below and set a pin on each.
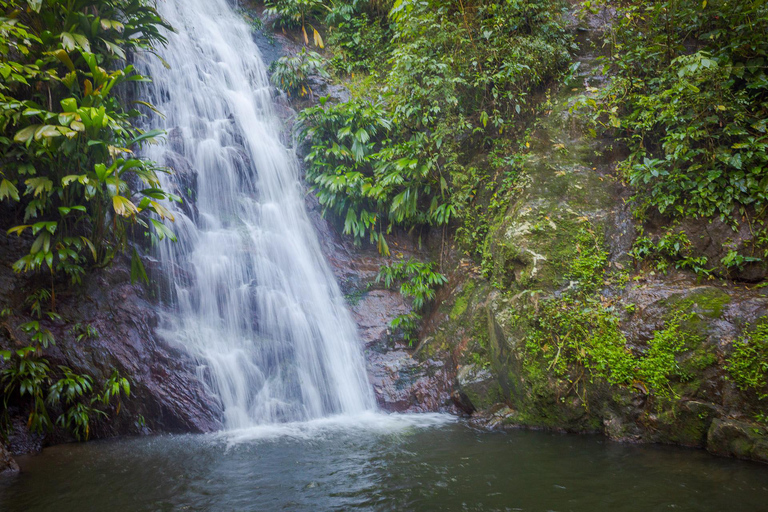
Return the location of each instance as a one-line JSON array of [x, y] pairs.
[[166, 394], [373, 312], [403, 383], [184, 181], [479, 385], [738, 439], [176, 140], [715, 239], [7, 464], [687, 425], [404, 378]]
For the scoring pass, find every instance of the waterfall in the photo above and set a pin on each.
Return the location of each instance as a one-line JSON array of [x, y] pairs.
[[254, 299]]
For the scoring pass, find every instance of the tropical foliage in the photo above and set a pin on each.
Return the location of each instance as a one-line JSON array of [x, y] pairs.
[[418, 282], [291, 73], [71, 184], [690, 97], [68, 141], [458, 78]]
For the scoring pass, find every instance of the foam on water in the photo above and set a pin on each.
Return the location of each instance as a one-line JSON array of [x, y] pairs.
[[366, 423]]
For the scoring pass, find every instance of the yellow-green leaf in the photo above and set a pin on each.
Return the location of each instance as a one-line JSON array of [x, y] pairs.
[[8, 190], [64, 58], [18, 229], [124, 207], [26, 134], [318, 40], [48, 131]]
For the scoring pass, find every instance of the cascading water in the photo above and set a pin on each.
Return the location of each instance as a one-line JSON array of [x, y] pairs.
[[256, 302]]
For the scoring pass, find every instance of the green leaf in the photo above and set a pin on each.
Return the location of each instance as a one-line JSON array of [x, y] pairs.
[[163, 231], [8, 190], [82, 41], [27, 134], [18, 229], [146, 136], [115, 49], [69, 105], [64, 58], [67, 41], [47, 131], [138, 272]]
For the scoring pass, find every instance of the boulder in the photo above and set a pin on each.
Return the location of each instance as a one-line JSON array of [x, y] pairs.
[[738, 439], [7, 464]]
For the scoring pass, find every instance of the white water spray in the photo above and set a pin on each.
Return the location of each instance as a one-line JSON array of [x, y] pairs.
[[256, 302]]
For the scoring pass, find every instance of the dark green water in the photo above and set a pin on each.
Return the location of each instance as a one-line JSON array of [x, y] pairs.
[[359, 467]]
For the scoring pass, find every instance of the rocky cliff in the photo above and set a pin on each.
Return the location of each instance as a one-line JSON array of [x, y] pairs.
[[166, 395]]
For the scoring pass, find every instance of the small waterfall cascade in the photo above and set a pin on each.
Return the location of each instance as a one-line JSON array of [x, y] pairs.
[[255, 300]]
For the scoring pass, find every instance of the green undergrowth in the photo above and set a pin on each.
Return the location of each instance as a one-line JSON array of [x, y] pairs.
[[747, 365], [418, 282], [688, 95], [576, 338], [441, 95], [452, 82], [52, 396], [72, 186]]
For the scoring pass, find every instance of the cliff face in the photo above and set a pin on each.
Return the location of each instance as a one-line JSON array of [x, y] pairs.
[[552, 324], [558, 328], [166, 395]]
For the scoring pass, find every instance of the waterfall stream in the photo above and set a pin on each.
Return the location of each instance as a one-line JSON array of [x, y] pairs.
[[255, 301]]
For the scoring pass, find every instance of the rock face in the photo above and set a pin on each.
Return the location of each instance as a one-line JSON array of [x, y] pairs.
[[403, 380], [737, 439], [510, 371], [166, 394], [474, 356]]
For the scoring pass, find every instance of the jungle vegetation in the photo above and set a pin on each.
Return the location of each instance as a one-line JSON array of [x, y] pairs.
[[71, 184]]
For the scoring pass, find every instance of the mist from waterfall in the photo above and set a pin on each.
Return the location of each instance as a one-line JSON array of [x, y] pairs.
[[255, 301]]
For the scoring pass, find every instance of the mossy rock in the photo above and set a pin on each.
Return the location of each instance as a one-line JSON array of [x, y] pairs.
[[462, 301], [686, 424], [710, 302], [480, 386], [738, 439]]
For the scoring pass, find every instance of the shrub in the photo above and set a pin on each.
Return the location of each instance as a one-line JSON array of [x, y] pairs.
[[291, 73]]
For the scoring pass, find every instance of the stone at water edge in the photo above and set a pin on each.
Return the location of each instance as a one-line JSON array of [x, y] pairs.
[[7, 464]]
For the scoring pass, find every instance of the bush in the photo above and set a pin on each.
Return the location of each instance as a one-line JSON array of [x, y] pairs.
[[747, 365], [419, 282], [458, 77], [70, 179], [690, 98], [291, 73], [66, 139]]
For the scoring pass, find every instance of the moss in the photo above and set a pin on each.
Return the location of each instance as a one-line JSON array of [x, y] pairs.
[[462, 301], [710, 302], [747, 365], [699, 359], [484, 399], [686, 425]]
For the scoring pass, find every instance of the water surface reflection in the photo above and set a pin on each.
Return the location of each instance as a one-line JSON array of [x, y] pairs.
[[421, 465]]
